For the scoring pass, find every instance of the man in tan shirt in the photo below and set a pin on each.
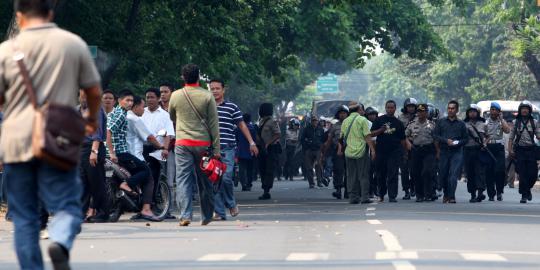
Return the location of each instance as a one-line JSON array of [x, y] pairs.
[[59, 64]]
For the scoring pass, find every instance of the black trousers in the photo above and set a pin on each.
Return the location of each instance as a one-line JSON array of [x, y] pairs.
[[496, 171], [475, 170], [93, 179], [267, 161], [527, 169], [373, 187], [140, 175], [407, 181], [246, 168], [290, 163], [423, 165], [387, 164], [339, 171]]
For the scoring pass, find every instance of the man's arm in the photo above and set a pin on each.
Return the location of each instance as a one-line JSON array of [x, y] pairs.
[[245, 130], [112, 154], [371, 145], [93, 96], [213, 124], [504, 125]]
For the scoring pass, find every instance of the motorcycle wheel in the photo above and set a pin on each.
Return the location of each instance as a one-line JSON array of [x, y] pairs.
[[115, 207], [163, 199]]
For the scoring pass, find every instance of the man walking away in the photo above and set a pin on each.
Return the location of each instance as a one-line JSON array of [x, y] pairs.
[[521, 147], [193, 139], [408, 114], [451, 134], [474, 162], [495, 169], [229, 117], [391, 143], [356, 135], [59, 64], [424, 150], [246, 161], [268, 141], [312, 140], [335, 150], [371, 115]]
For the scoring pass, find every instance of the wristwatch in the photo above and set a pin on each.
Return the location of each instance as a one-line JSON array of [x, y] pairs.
[[95, 151], [253, 144]]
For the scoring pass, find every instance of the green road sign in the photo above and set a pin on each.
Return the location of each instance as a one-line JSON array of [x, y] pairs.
[[93, 51], [328, 84]]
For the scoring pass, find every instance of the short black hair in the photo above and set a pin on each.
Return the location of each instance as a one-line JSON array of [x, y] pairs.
[[34, 8], [124, 93], [137, 101], [391, 101], [190, 73], [454, 102], [168, 85], [108, 91], [153, 90], [266, 109], [218, 81], [247, 117]]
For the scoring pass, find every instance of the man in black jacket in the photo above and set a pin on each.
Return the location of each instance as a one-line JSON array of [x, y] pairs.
[[312, 140]]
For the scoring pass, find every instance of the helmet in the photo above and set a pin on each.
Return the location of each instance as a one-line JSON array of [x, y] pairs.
[[410, 101], [433, 112], [294, 121], [371, 111], [473, 107], [527, 104], [342, 108]]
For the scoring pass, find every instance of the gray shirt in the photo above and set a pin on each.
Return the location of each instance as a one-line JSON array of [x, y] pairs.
[[525, 138], [59, 64], [420, 133], [473, 135], [494, 130]]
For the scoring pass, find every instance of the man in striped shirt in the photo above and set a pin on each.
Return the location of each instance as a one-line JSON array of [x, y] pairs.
[[230, 117]]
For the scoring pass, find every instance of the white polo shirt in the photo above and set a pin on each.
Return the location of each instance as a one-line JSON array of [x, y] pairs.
[[156, 121], [137, 134]]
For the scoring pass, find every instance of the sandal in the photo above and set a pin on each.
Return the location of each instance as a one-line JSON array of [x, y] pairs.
[[129, 191]]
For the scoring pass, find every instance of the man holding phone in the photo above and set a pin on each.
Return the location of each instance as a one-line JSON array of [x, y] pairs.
[[495, 171], [451, 135]]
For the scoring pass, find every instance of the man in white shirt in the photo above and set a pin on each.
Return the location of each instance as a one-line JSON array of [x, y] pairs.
[[137, 132]]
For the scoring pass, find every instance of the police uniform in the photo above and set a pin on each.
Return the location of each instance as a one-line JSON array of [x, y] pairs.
[[407, 181], [475, 159], [420, 134], [495, 169], [337, 160]]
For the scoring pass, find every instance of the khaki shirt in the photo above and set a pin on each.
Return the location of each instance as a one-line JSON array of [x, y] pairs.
[[480, 127], [59, 64], [525, 138], [420, 133], [405, 118], [269, 128], [494, 130]]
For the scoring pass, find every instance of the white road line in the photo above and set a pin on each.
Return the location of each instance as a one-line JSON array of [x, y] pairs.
[[370, 209], [374, 221], [216, 257], [308, 257], [512, 252], [392, 255], [484, 257], [370, 214], [389, 240], [403, 265]]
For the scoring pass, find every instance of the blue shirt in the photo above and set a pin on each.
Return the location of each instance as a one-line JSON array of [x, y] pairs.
[[100, 134], [242, 142], [229, 117]]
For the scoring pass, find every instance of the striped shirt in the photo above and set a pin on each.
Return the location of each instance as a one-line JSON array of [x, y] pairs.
[[229, 116]]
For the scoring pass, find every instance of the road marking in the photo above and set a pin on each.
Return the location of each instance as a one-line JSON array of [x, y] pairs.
[[389, 240], [215, 257], [403, 265], [514, 252], [308, 257], [370, 209], [370, 214], [392, 255], [484, 257], [374, 222]]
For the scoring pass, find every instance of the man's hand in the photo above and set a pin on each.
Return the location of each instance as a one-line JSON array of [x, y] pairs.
[[254, 150], [450, 142], [339, 152], [438, 155], [373, 155], [91, 126], [93, 159], [114, 158], [164, 154], [512, 154], [217, 155]]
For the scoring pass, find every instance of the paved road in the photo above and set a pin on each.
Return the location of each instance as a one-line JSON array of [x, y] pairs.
[[306, 229]]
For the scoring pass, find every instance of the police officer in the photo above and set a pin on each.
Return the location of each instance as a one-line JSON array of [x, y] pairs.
[[371, 115], [312, 140], [495, 169], [406, 117], [333, 148], [474, 162], [423, 153], [521, 147]]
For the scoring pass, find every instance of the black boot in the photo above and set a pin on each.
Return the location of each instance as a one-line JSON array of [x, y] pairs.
[[407, 196], [473, 197], [523, 199], [481, 196], [337, 193]]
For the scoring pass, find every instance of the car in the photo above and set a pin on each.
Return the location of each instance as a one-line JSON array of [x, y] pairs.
[[509, 109]]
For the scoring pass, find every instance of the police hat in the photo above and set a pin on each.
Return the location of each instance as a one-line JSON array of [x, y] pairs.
[[422, 107]]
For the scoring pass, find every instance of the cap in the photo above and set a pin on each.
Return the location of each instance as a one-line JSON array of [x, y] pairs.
[[422, 107], [495, 105]]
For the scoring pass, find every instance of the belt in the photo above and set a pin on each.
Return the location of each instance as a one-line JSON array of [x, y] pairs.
[[501, 141]]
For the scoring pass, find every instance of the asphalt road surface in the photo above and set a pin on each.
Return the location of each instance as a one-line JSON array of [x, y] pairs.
[[307, 229]]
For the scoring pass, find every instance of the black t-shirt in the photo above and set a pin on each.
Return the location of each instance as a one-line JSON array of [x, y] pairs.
[[391, 139]]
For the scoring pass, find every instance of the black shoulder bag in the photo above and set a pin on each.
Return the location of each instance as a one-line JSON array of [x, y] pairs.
[[344, 138]]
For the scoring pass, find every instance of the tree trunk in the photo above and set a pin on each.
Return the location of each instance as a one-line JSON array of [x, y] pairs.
[[533, 64], [132, 18]]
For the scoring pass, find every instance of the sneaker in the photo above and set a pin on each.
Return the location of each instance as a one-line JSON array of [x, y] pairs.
[[407, 196], [265, 196], [205, 222], [184, 222], [413, 194], [523, 199], [381, 199], [234, 211], [325, 181], [59, 256], [392, 200], [499, 197], [217, 217], [529, 196], [481, 197], [337, 194]]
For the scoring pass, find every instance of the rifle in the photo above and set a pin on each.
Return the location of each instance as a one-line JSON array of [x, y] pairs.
[[483, 147]]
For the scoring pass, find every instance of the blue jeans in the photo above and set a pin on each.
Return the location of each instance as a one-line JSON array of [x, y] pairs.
[[188, 158], [29, 183], [450, 165], [225, 196]]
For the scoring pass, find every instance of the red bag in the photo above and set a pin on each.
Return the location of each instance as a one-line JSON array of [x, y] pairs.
[[213, 168]]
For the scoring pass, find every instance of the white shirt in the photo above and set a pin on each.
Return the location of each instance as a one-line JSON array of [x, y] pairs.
[[137, 134], [156, 121]]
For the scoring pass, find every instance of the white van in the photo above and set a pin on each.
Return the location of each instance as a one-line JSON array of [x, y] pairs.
[[509, 109]]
